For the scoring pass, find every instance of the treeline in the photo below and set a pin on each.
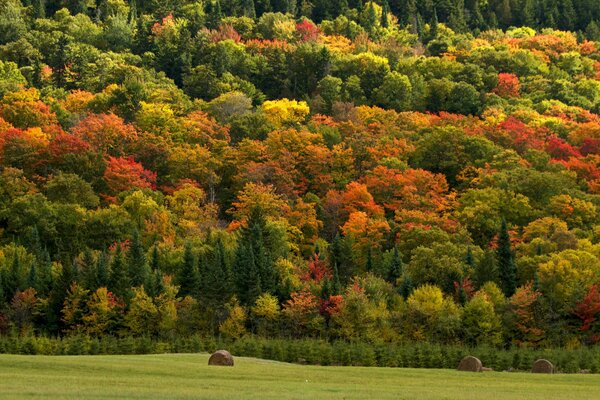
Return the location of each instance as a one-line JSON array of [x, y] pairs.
[[315, 352], [460, 15]]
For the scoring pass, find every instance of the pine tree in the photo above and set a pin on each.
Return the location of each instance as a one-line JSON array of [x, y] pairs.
[[536, 280], [58, 294], [156, 286], [138, 265], [406, 287], [15, 281], [218, 277], [155, 261], [336, 287], [45, 273], [371, 17], [188, 279], [592, 31], [385, 10], [434, 25], [90, 275], [395, 269], [2, 298], [486, 270], [248, 8], [102, 278], [462, 297], [246, 276], [38, 8], [120, 284], [469, 261], [32, 278], [506, 264], [346, 265]]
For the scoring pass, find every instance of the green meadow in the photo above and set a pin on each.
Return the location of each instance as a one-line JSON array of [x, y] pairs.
[[187, 376]]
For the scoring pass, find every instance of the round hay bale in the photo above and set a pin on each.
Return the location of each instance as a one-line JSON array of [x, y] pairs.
[[542, 366], [221, 357], [470, 364]]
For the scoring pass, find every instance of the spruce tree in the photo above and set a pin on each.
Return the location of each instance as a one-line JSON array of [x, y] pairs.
[[2, 298], [188, 279], [155, 261], [120, 283], [138, 265], [592, 31], [102, 276], [395, 268], [248, 9], [371, 18], [246, 276], [469, 261], [32, 278], [506, 264], [38, 8], [45, 273], [486, 270], [59, 292], [406, 287], [15, 281], [158, 284], [90, 275], [336, 287], [385, 9], [218, 277]]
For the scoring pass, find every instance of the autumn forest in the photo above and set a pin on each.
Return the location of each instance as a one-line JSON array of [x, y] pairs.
[[390, 171]]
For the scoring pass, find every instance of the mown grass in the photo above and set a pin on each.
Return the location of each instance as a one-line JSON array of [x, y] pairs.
[[187, 376]]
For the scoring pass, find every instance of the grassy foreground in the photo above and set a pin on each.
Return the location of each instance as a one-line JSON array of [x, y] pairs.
[[187, 376]]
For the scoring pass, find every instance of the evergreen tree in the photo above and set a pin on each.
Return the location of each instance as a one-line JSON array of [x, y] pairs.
[[120, 283], [340, 255], [90, 275], [385, 9], [592, 31], [15, 281], [371, 17], [38, 8], [59, 61], [214, 13], [434, 25], [246, 276], [395, 269], [536, 280], [32, 278], [469, 261], [462, 297], [248, 8], [486, 270], [58, 294], [44, 273], [2, 292], [138, 265], [188, 279], [506, 264], [336, 287], [102, 277], [158, 284], [406, 287], [155, 261]]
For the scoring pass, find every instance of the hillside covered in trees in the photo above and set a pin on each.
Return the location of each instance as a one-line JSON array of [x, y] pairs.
[[384, 171]]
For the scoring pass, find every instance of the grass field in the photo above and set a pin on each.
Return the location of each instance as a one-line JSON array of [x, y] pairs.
[[187, 376]]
